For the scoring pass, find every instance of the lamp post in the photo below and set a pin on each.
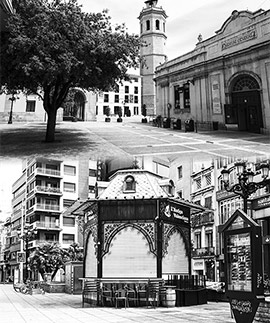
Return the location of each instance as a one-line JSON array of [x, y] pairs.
[[12, 99], [27, 234], [245, 174]]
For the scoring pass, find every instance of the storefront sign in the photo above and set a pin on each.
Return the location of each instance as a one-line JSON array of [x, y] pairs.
[[246, 36], [261, 203], [198, 264], [175, 212]]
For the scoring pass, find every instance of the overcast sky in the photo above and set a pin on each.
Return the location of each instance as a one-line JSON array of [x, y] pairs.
[[186, 19]]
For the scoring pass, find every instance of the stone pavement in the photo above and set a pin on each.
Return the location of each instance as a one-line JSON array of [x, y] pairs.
[[130, 138], [64, 308]]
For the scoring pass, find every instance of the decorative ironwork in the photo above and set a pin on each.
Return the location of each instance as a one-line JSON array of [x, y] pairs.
[[146, 228], [168, 231], [246, 186]]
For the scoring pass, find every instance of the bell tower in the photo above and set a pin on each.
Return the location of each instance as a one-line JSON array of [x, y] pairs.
[[153, 38]]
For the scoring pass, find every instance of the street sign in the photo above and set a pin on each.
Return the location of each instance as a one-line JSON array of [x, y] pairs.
[[21, 257]]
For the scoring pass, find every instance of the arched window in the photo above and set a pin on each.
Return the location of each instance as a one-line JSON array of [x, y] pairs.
[[245, 83], [147, 24], [157, 25], [129, 184]]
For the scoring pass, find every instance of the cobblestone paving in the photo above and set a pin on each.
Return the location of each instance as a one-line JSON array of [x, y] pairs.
[[64, 308], [93, 139]]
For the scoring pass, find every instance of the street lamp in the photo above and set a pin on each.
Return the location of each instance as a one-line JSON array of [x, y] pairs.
[[245, 174], [12, 99], [27, 235]]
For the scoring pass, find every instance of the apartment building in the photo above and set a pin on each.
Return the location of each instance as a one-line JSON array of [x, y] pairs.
[[43, 192], [127, 97]]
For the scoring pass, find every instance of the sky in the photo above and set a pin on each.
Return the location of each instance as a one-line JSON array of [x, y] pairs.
[[186, 19]]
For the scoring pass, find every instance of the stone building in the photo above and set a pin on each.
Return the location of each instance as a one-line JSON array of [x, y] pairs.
[[224, 81], [153, 37]]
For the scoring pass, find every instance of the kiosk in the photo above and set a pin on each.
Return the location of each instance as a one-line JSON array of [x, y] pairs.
[[243, 269]]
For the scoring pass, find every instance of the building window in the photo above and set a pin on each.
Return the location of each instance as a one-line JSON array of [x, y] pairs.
[[129, 184], [209, 239], [198, 183], [180, 172], [136, 99], [50, 237], [69, 187], [30, 106], [116, 98], [186, 96], [208, 179], [69, 170], [91, 189], [67, 203], [68, 221], [92, 172], [208, 202], [147, 24], [126, 98], [180, 194], [136, 90], [106, 97], [197, 241], [126, 89], [176, 97], [105, 107], [164, 27], [157, 25], [68, 238]]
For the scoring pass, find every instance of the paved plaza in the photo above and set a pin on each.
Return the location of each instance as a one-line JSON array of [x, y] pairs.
[[65, 308], [94, 139]]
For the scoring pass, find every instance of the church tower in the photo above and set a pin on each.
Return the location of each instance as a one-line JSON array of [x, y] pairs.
[[153, 37]]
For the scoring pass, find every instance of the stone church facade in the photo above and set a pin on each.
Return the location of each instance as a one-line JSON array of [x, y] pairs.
[[225, 81]]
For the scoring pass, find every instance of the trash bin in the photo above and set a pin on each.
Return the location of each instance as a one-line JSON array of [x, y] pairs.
[[215, 125], [177, 124], [189, 125], [166, 123]]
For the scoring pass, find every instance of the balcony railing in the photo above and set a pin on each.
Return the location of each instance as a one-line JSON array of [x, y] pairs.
[[46, 171], [47, 225], [203, 252], [47, 207], [47, 189]]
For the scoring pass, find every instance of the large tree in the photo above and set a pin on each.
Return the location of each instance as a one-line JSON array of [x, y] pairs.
[[52, 46]]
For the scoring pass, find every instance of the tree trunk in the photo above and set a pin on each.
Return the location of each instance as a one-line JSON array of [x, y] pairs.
[[51, 122]]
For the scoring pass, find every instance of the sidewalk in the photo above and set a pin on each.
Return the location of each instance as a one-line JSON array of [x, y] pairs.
[[64, 308]]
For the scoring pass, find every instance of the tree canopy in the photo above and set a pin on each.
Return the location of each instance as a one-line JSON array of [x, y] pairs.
[[52, 46]]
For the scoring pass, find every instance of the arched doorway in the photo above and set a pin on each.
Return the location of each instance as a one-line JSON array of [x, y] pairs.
[[246, 104], [74, 106]]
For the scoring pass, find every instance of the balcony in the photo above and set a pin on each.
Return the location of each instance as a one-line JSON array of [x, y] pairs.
[[47, 207], [48, 172], [36, 243], [44, 208], [203, 252], [48, 190], [47, 226]]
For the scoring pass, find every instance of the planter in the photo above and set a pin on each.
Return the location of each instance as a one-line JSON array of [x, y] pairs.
[[119, 120], [107, 119], [144, 120], [54, 287]]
